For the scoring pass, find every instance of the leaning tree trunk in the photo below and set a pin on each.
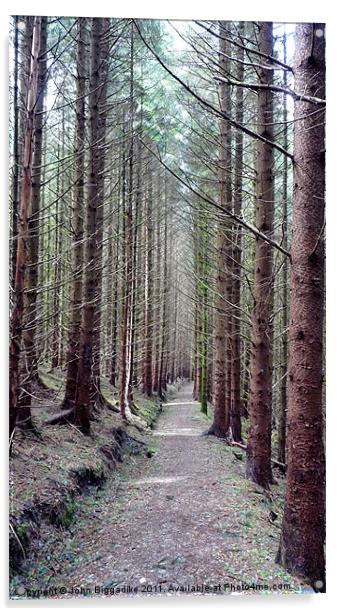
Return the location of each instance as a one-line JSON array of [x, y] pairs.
[[23, 232], [303, 527], [84, 376], [258, 466]]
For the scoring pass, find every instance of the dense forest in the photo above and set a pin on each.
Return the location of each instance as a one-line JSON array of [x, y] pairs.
[[167, 188]]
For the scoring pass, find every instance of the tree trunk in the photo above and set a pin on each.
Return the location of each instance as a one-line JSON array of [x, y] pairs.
[[235, 411], [258, 467], [127, 243], [16, 156], [149, 288], [32, 272], [84, 376], [103, 79], [303, 527], [158, 303], [281, 429], [77, 222], [221, 420], [165, 301], [23, 233]]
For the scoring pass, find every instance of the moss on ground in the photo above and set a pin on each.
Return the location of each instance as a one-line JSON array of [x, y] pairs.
[[47, 473]]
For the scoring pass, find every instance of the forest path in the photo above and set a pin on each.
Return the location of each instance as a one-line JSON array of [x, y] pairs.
[[184, 517]]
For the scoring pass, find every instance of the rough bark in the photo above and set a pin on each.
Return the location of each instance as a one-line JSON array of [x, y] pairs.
[[221, 419], [149, 290], [55, 345], [127, 238], [77, 222], [235, 410], [23, 233], [258, 467], [158, 304], [114, 342], [84, 376], [303, 527], [16, 156], [32, 271], [103, 80], [282, 421], [163, 353]]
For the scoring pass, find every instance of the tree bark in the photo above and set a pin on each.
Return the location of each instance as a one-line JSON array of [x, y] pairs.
[[281, 428], [165, 301], [84, 376], [258, 466], [235, 411], [23, 233], [32, 272], [103, 80], [16, 156], [221, 421], [77, 222], [149, 296], [303, 528], [127, 243]]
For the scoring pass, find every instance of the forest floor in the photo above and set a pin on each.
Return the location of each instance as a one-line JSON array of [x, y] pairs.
[[183, 521]]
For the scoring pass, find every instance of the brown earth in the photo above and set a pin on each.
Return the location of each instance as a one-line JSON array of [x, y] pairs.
[[184, 520]]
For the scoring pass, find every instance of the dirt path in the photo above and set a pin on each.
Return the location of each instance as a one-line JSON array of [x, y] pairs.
[[185, 517]]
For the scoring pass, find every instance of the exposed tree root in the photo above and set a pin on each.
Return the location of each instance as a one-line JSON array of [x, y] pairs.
[[133, 420], [110, 406], [274, 462]]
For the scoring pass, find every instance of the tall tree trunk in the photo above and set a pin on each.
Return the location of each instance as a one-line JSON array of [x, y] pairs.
[[303, 527], [158, 304], [114, 350], [103, 79], [149, 288], [23, 232], [84, 376], [281, 428], [125, 364], [55, 345], [221, 420], [258, 467], [16, 157], [235, 411], [32, 272], [165, 301], [77, 222]]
